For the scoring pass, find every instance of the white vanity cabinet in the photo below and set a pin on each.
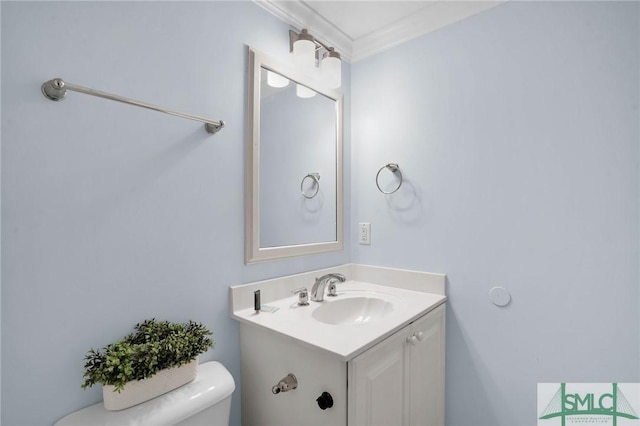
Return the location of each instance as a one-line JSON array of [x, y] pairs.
[[400, 381], [377, 348]]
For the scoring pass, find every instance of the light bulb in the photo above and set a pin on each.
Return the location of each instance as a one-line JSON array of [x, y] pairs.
[[304, 52], [304, 92], [276, 80], [331, 68]]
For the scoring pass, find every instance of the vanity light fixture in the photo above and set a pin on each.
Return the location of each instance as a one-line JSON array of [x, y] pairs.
[[276, 80], [306, 54], [303, 48], [331, 67]]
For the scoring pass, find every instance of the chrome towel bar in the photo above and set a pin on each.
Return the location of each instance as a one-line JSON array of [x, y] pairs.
[[56, 90]]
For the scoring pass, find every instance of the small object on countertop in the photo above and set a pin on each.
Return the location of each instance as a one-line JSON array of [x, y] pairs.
[[256, 301], [269, 308]]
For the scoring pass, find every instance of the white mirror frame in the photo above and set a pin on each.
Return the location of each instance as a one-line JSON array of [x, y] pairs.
[[253, 252]]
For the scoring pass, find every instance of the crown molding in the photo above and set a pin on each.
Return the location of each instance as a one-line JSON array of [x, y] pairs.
[[424, 21], [428, 19], [299, 16]]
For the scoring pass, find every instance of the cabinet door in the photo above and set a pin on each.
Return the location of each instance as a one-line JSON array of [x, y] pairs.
[[426, 382], [400, 381], [378, 383]]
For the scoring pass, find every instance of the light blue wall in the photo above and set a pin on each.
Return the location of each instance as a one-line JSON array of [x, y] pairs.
[[112, 214], [517, 133], [516, 129]]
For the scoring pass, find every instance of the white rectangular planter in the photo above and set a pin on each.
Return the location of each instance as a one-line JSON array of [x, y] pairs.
[[139, 391]]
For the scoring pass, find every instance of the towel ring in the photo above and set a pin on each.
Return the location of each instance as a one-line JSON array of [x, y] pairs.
[[316, 179], [394, 168]]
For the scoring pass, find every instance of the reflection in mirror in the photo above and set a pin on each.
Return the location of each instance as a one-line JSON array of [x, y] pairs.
[[294, 164], [297, 138]]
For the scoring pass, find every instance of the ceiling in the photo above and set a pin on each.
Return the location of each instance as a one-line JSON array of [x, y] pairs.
[[360, 28]]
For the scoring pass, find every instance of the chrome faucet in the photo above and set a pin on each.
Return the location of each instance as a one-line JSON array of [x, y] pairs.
[[317, 291]]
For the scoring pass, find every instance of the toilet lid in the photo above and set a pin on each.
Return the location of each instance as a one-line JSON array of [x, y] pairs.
[[213, 384]]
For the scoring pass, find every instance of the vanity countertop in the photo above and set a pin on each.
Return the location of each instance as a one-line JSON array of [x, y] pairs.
[[394, 308]]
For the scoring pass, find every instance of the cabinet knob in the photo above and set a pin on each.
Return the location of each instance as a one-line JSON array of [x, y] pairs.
[[412, 339], [415, 338]]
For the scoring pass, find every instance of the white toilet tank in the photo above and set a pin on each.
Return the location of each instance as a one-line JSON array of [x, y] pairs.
[[205, 401]]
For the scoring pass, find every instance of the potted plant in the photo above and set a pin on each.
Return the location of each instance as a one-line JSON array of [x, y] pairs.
[[158, 357]]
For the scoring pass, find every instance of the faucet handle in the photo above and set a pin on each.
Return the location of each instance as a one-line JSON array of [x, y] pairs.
[[332, 292], [303, 296]]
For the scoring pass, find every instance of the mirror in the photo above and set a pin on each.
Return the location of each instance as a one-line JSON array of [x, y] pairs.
[[294, 164]]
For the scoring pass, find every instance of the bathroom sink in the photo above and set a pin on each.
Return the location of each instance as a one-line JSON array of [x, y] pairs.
[[359, 316], [352, 311]]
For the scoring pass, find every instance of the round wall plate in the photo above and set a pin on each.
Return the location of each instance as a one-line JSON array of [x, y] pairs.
[[500, 296]]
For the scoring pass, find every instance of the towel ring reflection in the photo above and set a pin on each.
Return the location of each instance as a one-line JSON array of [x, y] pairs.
[[395, 169], [316, 179]]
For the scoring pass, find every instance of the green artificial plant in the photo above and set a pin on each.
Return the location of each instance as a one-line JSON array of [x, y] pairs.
[[154, 346]]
